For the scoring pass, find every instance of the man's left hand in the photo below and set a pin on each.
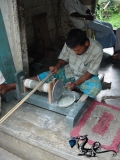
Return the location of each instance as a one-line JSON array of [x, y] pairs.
[[88, 11], [70, 85]]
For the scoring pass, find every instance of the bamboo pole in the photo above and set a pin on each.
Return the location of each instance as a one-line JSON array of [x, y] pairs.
[[23, 100]]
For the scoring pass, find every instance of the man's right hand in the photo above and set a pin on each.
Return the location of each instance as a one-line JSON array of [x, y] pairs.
[[53, 69]]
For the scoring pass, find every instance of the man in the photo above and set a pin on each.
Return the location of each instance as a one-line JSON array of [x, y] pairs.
[[103, 31], [5, 87], [78, 64], [116, 56]]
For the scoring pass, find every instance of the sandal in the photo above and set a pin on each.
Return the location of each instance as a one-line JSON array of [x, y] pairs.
[[111, 60]]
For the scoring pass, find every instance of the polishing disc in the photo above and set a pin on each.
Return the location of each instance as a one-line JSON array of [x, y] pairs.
[[57, 90]]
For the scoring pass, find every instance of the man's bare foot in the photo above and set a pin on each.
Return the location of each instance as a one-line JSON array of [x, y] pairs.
[[7, 87]]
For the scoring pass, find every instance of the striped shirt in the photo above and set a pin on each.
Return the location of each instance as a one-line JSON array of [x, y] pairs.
[[78, 65], [76, 6]]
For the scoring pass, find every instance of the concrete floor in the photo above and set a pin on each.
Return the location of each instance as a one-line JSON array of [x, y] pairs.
[[35, 133], [112, 76], [5, 155]]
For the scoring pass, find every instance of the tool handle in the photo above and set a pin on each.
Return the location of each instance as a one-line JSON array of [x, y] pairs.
[[23, 100]]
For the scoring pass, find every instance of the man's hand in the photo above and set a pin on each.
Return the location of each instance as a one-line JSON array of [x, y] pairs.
[[70, 85], [53, 69], [89, 17], [88, 11]]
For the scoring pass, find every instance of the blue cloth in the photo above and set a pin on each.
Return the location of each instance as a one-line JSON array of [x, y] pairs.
[[91, 87], [103, 33], [60, 75]]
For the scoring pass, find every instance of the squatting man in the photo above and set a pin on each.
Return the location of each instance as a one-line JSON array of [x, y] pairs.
[[78, 64]]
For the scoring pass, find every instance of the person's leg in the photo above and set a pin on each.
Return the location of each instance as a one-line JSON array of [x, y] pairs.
[[100, 26], [91, 87], [103, 33], [60, 75], [107, 24], [7, 87]]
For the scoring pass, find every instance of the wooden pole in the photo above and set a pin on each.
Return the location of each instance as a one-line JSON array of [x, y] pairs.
[[23, 100]]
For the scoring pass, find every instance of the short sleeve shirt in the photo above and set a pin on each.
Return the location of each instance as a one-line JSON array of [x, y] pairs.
[[72, 6], [78, 65], [75, 6]]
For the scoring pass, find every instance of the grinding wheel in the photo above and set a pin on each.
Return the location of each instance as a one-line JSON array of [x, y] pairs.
[[57, 90]]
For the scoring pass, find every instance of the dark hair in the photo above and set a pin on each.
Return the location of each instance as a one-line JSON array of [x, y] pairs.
[[76, 37]]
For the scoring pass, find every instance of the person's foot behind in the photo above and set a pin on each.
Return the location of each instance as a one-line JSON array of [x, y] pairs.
[[7, 87], [113, 59]]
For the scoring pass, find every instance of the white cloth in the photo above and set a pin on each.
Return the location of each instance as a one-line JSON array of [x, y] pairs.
[[2, 79], [78, 65], [103, 31], [72, 6], [117, 45]]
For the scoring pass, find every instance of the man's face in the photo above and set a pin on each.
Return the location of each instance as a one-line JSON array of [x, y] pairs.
[[79, 50]]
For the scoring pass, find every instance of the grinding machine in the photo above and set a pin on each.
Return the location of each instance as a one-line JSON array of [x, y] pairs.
[[48, 95]]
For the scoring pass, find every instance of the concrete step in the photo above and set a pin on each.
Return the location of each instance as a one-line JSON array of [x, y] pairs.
[[5, 155], [33, 133]]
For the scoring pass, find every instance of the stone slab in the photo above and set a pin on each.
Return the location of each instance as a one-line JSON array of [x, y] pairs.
[[5, 155], [36, 133]]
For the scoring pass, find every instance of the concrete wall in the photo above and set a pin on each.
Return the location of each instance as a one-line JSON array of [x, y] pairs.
[[10, 17], [57, 20], [33, 8], [36, 7], [10, 8]]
